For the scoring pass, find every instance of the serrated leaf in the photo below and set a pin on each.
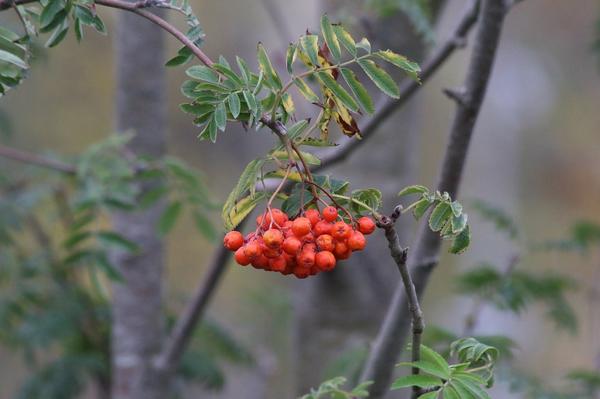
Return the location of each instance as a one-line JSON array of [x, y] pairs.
[[429, 355], [297, 129], [359, 91], [290, 57], [345, 38], [50, 11], [330, 37], [288, 103], [419, 380], [229, 74], [411, 68], [306, 91], [470, 385], [310, 45], [462, 241], [220, 116], [58, 35], [203, 73], [421, 207], [250, 101], [313, 142], [246, 182], [462, 392], [414, 189], [242, 209], [169, 217], [266, 67], [381, 78], [428, 367], [12, 59], [440, 216], [197, 109], [326, 79], [234, 104]]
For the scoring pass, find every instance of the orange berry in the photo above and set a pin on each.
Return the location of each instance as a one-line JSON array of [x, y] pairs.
[[325, 242], [271, 252], [312, 215], [301, 227], [277, 264], [341, 231], [305, 259], [330, 213], [322, 227], [310, 246], [233, 240], [357, 241], [279, 217], [341, 250], [241, 258], [292, 245], [325, 261], [366, 225], [301, 272], [252, 250], [273, 238], [261, 262], [263, 220], [310, 237]]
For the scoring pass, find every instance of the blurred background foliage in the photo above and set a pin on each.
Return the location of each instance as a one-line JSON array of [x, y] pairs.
[[534, 171]]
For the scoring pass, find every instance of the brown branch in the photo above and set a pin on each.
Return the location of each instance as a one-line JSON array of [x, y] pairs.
[[399, 255], [392, 333], [181, 333], [34, 159]]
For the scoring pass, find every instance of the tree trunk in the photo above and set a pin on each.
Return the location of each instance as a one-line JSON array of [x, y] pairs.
[[138, 325], [340, 311]]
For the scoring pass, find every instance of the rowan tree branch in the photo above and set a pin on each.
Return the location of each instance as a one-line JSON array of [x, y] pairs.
[[421, 261], [400, 255], [35, 159]]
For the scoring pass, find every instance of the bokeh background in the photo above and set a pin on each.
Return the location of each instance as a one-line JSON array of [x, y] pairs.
[[536, 154]]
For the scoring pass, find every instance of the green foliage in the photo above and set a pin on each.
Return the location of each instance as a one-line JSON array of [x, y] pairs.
[[220, 94], [467, 379], [515, 290], [447, 216], [57, 240], [583, 235], [333, 389]]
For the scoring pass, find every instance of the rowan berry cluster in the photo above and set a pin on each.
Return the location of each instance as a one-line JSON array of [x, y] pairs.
[[304, 246]]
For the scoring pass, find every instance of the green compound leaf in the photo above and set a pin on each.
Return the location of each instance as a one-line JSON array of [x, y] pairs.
[[381, 78]]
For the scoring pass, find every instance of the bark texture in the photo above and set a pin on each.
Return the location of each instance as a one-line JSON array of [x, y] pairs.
[[423, 258], [138, 325]]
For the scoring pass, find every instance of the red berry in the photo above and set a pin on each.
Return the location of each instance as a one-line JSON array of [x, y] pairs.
[[241, 258], [325, 261], [292, 245], [261, 262], [273, 238], [325, 242], [252, 250], [301, 272], [322, 227], [277, 264], [341, 231], [301, 227], [233, 240], [366, 225], [357, 241], [279, 217], [330, 213], [341, 250], [312, 215], [305, 259], [263, 220], [271, 252], [310, 246], [310, 237]]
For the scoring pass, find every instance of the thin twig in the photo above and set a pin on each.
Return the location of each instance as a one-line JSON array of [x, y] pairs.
[[34, 159], [392, 333], [400, 255]]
